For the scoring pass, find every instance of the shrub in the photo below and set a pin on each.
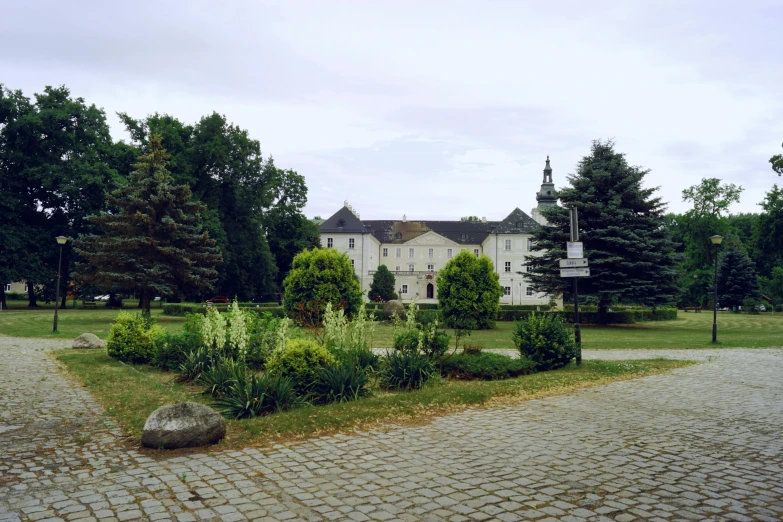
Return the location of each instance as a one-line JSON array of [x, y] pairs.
[[393, 308], [485, 366], [382, 287], [405, 371], [426, 317], [750, 305], [545, 339], [301, 360], [171, 350], [429, 341], [132, 338], [222, 376], [472, 349], [469, 292], [261, 394], [342, 381], [365, 358]]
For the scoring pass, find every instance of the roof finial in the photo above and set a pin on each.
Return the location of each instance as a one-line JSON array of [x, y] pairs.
[[547, 171]]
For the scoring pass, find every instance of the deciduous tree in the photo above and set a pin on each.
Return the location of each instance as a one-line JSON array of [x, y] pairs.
[[469, 292]]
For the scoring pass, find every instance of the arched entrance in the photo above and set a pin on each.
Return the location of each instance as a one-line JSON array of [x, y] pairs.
[[430, 291]]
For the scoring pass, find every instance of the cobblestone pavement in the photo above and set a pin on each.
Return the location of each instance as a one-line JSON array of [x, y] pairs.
[[700, 443]]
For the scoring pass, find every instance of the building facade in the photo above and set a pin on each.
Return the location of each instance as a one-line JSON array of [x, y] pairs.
[[415, 251]]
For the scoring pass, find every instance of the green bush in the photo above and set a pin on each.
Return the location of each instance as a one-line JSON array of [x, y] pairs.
[[259, 395], [486, 366], [221, 377], [16, 296], [132, 338], [365, 358], [750, 305], [196, 363], [469, 292], [405, 371], [426, 317], [526, 308], [180, 309], [428, 306], [434, 343], [546, 339], [342, 381], [301, 360], [171, 350]]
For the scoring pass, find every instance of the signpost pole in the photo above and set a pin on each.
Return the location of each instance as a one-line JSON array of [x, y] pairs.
[[577, 328]]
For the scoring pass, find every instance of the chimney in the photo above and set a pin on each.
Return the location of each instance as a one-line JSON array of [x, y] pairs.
[[404, 218], [484, 219]]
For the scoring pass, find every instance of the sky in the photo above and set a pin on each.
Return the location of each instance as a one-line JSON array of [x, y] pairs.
[[435, 109]]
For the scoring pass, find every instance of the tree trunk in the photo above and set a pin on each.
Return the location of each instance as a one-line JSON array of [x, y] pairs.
[[31, 295], [3, 304], [146, 299], [603, 312]]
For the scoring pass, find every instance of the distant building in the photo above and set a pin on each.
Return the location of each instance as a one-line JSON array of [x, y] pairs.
[[414, 251]]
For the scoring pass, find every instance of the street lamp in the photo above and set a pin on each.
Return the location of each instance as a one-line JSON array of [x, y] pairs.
[[716, 240], [61, 240]]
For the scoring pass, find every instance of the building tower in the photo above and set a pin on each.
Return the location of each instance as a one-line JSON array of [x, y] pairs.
[[546, 197]]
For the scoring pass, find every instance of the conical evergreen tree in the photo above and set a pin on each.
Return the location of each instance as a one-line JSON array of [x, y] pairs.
[[736, 277], [382, 286], [153, 240], [630, 254]]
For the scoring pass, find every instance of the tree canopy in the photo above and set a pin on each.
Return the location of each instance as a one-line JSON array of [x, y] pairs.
[[736, 277], [383, 285], [152, 239], [469, 292], [630, 253]]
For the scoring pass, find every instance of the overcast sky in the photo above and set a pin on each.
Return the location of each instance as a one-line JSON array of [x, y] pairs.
[[435, 109]]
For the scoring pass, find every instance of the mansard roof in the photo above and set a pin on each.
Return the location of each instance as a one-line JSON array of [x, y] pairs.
[[397, 231]]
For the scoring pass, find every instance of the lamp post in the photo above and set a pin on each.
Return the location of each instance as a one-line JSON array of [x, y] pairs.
[[61, 240], [716, 240], [512, 291]]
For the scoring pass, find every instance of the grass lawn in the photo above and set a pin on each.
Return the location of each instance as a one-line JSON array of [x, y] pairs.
[[130, 394], [70, 323], [690, 330]]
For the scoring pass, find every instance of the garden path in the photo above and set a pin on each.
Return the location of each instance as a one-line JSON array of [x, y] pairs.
[[700, 443]]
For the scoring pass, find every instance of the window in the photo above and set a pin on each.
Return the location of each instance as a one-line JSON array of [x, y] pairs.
[[411, 252], [385, 252], [431, 253], [340, 223], [529, 244], [25, 287], [398, 235], [476, 251], [411, 268], [398, 252], [397, 268], [529, 291], [450, 253], [430, 268], [7, 287], [507, 266], [506, 290], [508, 244], [353, 265], [520, 224], [404, 289], [329, 242], [351, 243], [463, 237]]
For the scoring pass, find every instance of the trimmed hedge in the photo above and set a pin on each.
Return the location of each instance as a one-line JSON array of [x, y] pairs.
[[528, 308], [275, 311], [180, 309], [591, 317], [486, 366]]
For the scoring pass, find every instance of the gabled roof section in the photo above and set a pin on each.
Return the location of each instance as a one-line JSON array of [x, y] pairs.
[[516, 223], [343, 221], [461, 232]]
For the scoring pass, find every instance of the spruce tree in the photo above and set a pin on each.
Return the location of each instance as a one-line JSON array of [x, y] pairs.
[[382, 286], [736, 277], [621, 224], [153, 239]]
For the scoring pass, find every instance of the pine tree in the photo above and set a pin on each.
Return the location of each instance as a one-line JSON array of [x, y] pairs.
[[630, 254], [383, 284], [736, 277], [153, 241]]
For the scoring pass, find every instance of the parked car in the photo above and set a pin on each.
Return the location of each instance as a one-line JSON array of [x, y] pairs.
[[762, 308], [104, 297], [219, 299]]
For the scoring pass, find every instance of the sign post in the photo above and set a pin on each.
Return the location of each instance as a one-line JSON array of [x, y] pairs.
[[574, 253]]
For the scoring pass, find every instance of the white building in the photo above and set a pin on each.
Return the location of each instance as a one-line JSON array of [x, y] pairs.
[[414, 251]]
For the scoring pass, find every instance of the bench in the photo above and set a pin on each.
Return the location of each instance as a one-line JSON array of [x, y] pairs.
[[696, 309], [88, 304]]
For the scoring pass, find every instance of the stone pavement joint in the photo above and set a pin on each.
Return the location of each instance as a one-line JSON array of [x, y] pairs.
[[699, 443]]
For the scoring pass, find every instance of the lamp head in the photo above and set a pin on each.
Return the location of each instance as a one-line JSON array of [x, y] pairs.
[[61, 240], [716, 240]]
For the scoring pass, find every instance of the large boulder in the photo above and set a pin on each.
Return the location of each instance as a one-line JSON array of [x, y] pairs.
[[88, 340], [183, 425], [394, 307]]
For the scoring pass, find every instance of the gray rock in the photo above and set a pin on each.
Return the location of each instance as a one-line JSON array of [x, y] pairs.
[[88, 340], [393, 307], [183, 425]]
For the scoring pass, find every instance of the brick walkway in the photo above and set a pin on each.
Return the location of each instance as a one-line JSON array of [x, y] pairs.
[[701, 443]]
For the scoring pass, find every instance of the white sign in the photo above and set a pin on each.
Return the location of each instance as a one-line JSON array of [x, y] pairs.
[[573, 263], [574, 249], [574, 272]]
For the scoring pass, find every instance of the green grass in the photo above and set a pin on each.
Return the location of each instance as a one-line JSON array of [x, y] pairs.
[[130, 394], [70, 323], [690, 330]]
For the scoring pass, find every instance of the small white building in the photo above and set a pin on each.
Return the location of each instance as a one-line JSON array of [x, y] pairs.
[[414, 251]]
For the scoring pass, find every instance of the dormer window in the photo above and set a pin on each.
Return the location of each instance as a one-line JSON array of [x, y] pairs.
[[398, 235], [520, 224], [340, 223]]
